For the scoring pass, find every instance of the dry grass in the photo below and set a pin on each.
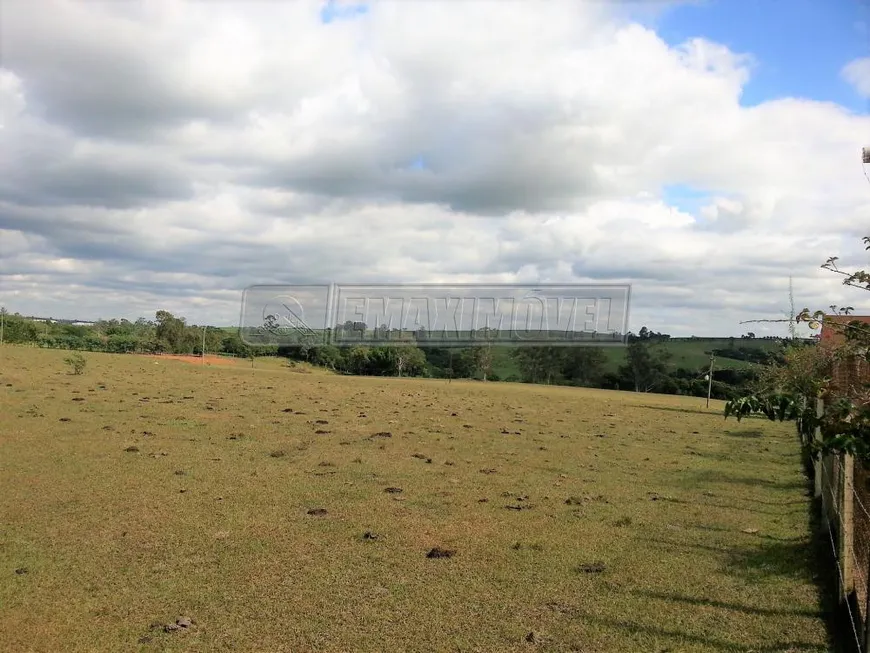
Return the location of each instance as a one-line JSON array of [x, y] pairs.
[[257, 505]]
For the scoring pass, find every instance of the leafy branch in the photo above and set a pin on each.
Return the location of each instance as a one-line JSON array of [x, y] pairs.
[[790, 391]]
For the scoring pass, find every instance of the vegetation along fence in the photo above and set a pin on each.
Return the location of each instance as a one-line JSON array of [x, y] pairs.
[[842, 484]]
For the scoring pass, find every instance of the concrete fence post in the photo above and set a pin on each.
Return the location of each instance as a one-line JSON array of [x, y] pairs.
[[818, 460], [846, 528]]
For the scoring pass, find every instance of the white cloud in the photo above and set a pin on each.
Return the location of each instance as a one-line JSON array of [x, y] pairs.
[[193, 149], [857, 73]]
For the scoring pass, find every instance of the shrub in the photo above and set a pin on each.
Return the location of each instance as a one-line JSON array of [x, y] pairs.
[[76, 362]]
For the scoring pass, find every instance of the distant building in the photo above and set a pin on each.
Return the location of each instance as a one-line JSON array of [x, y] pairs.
[[832, 335], [854, 369], [61, 321]]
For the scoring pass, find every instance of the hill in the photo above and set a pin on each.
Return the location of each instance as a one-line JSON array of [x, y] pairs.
[[687, 353]]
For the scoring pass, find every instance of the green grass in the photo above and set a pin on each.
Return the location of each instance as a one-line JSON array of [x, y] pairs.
[[700, 525], [695, 353]]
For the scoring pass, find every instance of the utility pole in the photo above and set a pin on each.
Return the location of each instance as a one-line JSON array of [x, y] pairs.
[[710, 381]]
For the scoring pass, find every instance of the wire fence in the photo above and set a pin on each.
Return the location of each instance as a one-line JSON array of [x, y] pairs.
[[842, 483], [836, 491], [860, 489]]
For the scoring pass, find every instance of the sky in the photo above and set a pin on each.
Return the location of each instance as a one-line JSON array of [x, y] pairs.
[[167, 154]]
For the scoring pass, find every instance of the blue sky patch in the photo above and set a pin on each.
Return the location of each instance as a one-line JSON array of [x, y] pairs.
[[685, 198], [333, 10], [800, 46], [419, 163]]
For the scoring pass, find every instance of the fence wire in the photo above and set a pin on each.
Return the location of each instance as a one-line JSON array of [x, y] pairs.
[[860, 490], [837, 526], [843, 484]]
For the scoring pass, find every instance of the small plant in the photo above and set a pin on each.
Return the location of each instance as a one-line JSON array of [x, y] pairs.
[[76, 362]]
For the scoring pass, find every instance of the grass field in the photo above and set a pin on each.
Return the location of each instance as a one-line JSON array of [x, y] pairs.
[[287, 509]]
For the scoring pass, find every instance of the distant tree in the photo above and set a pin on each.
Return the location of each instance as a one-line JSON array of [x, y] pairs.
[[327, 356], [233, 344], [478, 361], [408, 360], [645, 366], [357, 360], [395, 360], [118, 343], [18, 329], [539, 364], [583, 365], [171, 331], [213, 339]]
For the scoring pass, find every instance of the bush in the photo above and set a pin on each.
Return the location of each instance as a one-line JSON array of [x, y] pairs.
[[77, 362]]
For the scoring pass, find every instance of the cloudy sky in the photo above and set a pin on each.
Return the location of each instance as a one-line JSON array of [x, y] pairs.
[[166, 155]]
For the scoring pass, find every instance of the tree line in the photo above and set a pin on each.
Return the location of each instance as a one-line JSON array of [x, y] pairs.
[[647, 364], [166, 334]]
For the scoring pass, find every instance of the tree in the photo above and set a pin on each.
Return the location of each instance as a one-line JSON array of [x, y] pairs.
[[408, 360], [478, 360], [357, 360], [645, 366], [439, 360], [328, 356], [214, 339], [583, 365], [395, 360], [233, 344], [171, 331], [118, 343], [539, 364], [17, 329]]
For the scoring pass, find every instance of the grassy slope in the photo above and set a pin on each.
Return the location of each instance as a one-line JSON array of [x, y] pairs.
[[690, 354], [205, 523]]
